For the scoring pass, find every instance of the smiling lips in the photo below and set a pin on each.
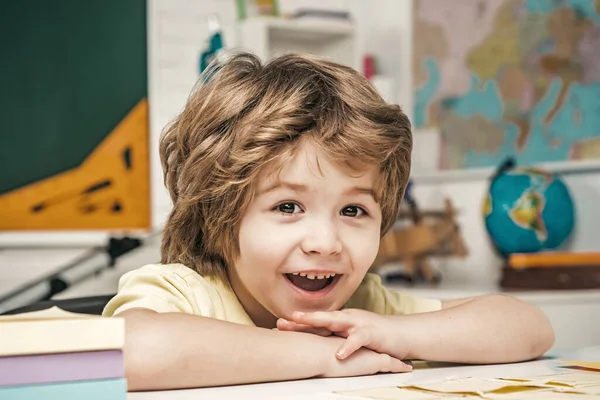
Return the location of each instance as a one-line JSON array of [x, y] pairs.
[[311, 282]]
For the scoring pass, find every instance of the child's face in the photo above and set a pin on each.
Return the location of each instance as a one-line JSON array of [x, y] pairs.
[[307, 239]]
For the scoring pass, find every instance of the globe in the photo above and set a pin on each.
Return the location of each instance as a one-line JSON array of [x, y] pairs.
[[527, 210]]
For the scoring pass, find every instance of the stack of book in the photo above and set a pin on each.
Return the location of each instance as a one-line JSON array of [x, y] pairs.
[[55, 354], [551, 270]]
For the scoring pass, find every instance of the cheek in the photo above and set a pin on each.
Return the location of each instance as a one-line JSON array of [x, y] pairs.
[[261, 246], [363, 247]]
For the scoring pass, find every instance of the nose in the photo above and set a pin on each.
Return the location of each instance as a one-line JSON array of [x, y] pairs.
[[322, 239]]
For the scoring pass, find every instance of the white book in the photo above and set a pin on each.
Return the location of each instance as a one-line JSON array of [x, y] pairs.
[[55, 330]]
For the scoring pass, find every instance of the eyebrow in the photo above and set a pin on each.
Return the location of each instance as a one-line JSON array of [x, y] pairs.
[[296, 187], [360, 190], [300, 188]]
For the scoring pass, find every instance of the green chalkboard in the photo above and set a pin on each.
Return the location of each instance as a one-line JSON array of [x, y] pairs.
[[70, 71]]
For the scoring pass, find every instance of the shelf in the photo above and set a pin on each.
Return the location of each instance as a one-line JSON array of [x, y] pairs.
[[270, 36], [485, 173], [308, 29]]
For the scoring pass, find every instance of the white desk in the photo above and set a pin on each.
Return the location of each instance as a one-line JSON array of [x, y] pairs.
[[322, 388]]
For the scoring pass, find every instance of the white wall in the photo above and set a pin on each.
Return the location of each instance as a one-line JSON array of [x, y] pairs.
[[177, 34], [177, 31]]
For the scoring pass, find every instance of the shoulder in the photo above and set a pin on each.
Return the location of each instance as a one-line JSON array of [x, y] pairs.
[[368, 293], [164, 288], [372, 295], [168, 276], [173, 273], [370, 283]]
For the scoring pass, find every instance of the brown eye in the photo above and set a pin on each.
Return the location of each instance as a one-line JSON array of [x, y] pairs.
[[287, 208], [352, 211]]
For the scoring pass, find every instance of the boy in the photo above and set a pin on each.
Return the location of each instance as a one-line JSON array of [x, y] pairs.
[[283, 178]]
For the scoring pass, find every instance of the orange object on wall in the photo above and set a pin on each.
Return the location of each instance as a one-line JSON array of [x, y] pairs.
[[109, 190]]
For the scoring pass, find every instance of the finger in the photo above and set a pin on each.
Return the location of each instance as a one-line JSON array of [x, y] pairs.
[[332, 320], [396, 365], [290, 326], [355, 341]]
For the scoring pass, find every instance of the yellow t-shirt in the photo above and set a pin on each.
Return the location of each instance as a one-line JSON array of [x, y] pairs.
[[177, 288]]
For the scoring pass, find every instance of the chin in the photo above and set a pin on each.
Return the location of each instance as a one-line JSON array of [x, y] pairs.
[[317, 306]]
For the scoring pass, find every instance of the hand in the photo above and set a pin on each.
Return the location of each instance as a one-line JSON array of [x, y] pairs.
[[364, 362], [360, 328]]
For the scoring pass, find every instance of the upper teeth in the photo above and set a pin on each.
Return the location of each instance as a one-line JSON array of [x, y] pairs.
[[314, 276]]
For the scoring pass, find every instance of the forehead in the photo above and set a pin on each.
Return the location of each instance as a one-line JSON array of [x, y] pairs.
[[310, 164]]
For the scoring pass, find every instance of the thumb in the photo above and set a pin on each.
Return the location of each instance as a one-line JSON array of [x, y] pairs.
[[355, 341]]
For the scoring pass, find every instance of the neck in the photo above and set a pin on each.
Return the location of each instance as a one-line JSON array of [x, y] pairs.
[[257, 313]]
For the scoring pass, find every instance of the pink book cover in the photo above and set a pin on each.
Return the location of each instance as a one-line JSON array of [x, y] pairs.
[[63, 367]]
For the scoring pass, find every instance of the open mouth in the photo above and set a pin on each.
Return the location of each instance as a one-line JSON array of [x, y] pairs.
[[312, 282]]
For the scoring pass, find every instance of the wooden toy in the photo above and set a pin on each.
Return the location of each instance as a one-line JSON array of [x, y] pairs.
[[428, 233]]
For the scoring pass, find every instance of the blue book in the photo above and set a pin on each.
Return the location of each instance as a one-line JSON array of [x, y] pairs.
[[104, 389]]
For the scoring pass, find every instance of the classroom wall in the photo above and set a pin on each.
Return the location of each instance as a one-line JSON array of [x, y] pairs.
[[176, 36]]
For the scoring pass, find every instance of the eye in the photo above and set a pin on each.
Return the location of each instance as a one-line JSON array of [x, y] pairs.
[[353, 211], [288, 208]]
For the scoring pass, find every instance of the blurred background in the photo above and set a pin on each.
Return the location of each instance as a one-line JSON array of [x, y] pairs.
[[504, 97]]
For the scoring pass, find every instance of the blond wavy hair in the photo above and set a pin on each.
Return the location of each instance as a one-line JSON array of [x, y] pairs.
[[245, 116]]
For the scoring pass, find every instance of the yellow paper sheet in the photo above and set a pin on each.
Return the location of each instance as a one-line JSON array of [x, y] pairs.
[[574, 379], [589, 390], [595, 365], [471, 386], [540, 395], [576, 386]]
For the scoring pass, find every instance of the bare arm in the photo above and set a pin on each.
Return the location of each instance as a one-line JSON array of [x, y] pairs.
[[174, 350], [486, 329]]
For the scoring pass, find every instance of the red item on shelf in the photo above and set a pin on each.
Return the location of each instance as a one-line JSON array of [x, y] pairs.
[[368, 66]]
